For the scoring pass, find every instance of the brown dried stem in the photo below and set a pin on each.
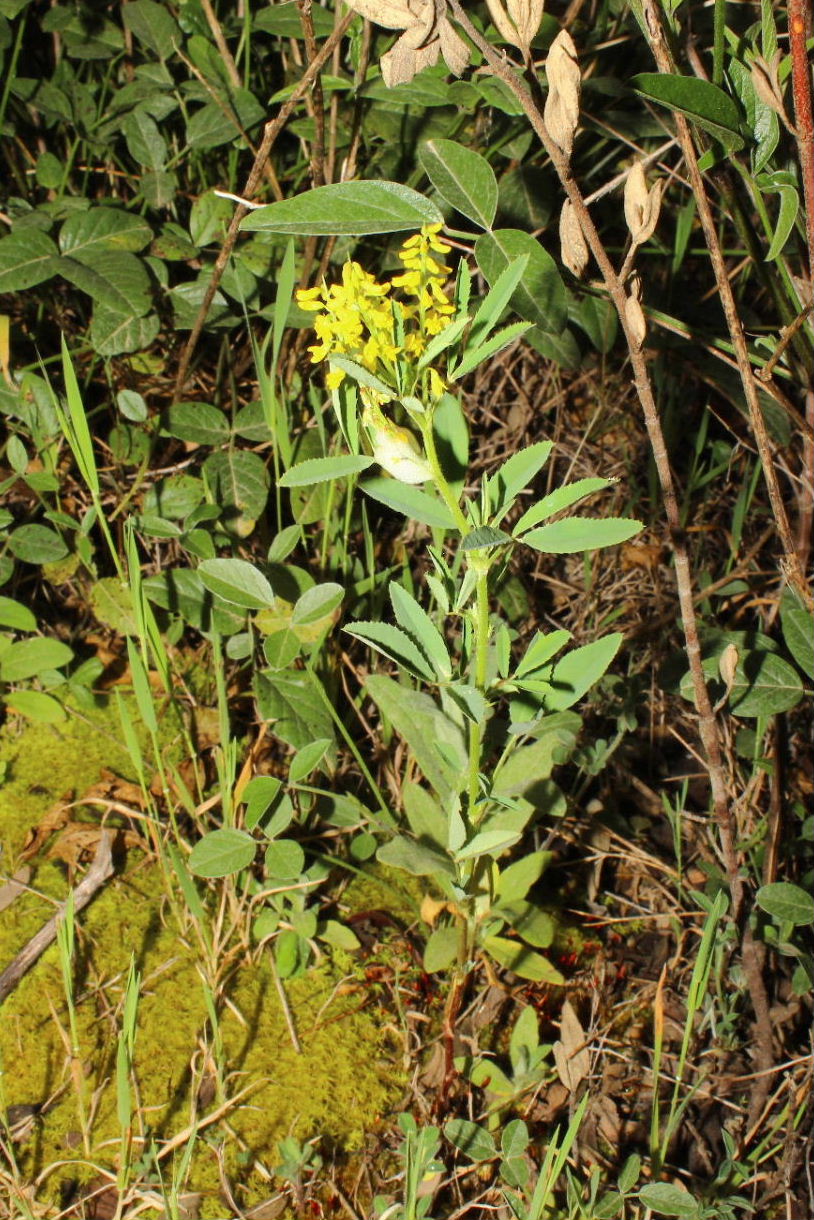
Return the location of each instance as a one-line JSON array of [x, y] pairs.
[[708, 727], [270, 132]]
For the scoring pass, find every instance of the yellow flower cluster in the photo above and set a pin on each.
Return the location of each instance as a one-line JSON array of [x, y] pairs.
[[361, 319]]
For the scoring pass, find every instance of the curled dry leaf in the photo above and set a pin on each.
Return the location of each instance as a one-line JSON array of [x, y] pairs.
[[642, 206], [562, 103], [518, 22], [767, 86], [634, 314], [573, 247], [570, 1053], [428, 33]]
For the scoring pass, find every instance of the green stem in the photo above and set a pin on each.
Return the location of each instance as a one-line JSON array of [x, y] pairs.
[[447, 494], [481, 660]]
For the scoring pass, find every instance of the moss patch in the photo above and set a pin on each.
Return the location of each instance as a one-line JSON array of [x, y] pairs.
[[344, 1079]]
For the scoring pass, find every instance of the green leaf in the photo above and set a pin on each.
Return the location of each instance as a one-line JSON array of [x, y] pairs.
[[441, 948], [540, 651], [27, 257], [426, 817], [764, 683], [473, 1140], [352, 208], [699, 100], [579, 669], [523, 961], [359, 373], [515, 1137], [515, 881], [199, 423], [237, 582], [321, 470], [153, 25], [290, 700], [786, 903], [484, 538], [285, 860], [113, 333], [424, 728], [221, 853], [667, 1198], [491, 308], [15, 615], [783, 184], [394, 644], [36, 705], [84, 235], [284, 20], [317, 603], [473, 356], [239, 482], [117, 280], [415, 620], [26, 658], [540, 296], [307, 760], [462, 177], [145, 142], [574, 534], [798, 631], [412, 857], [37, 544], [515, 474], [556, 501], [411, 501], [488, 843]]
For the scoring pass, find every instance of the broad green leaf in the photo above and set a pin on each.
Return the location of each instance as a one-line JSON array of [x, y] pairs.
[[556, 501], [524, 962], [285, 21], [514, 1139], [145, 142], [415, 620], [540, 296], [15, 615], [575, 534], [764, 683], [699, 100], [441, 948], [27, 658], [515, 474], [239, 482], [197, 422], [222, 852], [27, 257], [86, 234], [786, 903], [527, 195], [307, 759], [258, 796], [321, 470], [115, 279], [114, 334], [213, 124], [487, 843], [209, 218], [411, 501], [473, 1140], [484, 538], [473, 356], [317, 603], [535, 926], [515, 881], [668, 1198], [237, 582], [525, 1039], [426, 817], [351, 208], [426, 730], [37, 544], [181, 591], [540, 651], [285, 860], [413, 857], [579, 669], [36, 705], [561, 349], [462, 177], [394, 644], [291, 702], [175, 497], [798, 631], [486, 1074], [153, 25]]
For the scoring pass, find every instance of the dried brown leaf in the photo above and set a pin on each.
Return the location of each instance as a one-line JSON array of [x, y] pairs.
[[562, 103], [573, 247]]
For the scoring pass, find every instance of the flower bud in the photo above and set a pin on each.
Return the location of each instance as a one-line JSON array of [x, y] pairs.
[[518, 22], [634, 314], [561, 112], [395, 449]]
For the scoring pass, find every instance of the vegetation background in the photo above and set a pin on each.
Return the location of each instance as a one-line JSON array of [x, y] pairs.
[[204, 614]]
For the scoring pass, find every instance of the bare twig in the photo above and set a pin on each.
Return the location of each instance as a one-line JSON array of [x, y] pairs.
[[270, 133], [94, 879], [708, 728]]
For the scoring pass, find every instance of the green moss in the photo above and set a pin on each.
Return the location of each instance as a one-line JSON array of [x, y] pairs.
[[337, 1088]]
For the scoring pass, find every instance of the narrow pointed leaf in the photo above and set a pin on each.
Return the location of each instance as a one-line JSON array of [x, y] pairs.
[[575, 534]]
